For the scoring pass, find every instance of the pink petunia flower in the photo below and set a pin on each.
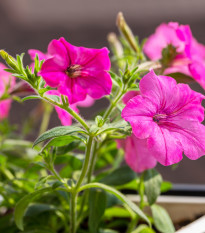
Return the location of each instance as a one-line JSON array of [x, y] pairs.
[[5, 80], [137, 155], [77, 71], [65, 117], [190, 58], [168, 115]]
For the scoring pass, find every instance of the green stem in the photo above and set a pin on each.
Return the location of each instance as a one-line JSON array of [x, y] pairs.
[[132, 224], [86, 163], [73, 202], [113, 104], [74, 194], [93, 160], [46, 118], [58, 177], [90, 172], [141, 191], [76, 116]]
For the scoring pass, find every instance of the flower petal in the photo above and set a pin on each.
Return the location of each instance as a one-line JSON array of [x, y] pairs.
[[164, 146], [53, 78], [97, 86], [191, 135], [33, 52], [74, 91], [197, 70], [4, 108], [94, 59], [137, 155], [57, 49], [139, 112]]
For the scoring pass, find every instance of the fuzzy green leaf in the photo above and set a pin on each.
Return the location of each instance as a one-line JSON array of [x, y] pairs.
[[120, 196], [162, 221], [23, 204], [57, 132], [120, 176], [152, 182], [97, 205]]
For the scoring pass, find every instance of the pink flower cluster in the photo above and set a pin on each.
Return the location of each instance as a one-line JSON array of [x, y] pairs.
[[166, 121], [77, 71], [190, 58], [5, 80]]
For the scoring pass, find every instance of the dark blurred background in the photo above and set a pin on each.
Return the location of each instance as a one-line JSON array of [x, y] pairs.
[[26, 24]]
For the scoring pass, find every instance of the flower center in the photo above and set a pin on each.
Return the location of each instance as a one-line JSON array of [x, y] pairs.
[[73, 71], [158, 117]]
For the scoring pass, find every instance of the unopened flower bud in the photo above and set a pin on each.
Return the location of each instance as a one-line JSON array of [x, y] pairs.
[[9, 59], [116, 47], [99, 121], [126, 31]]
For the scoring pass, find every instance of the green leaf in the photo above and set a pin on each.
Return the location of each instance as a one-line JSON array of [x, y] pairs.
[[120, 176], [143, 229], [31, 97], [22, 205], [57, 132], [54, 98], [120, 196], [97, 205], [38, 231], [165, 186], [116, 212], [162, 221], [152, 182], [107, 231], [116, 79], [38, 208], [119, 125], [63, 141]]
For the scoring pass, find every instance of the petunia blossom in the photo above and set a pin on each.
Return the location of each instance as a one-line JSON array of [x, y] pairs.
[[190, 57], [77, 71], [169, 116], [5, 80], [64, 116], [137, 155]]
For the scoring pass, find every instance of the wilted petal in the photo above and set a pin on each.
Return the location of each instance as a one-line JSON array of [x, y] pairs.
[[197, 70]]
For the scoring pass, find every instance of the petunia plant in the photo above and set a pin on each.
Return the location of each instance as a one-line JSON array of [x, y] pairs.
[[78, 179]]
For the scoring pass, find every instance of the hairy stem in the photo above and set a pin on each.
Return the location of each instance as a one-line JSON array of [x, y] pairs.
[[76, 116], [86, 162]]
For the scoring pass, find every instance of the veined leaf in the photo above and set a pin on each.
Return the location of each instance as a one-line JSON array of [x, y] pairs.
[[30, 97], [162, 220], [152, 182], [57, 132], [120, 196], [23, 204], [97, 205], [120, 176]]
